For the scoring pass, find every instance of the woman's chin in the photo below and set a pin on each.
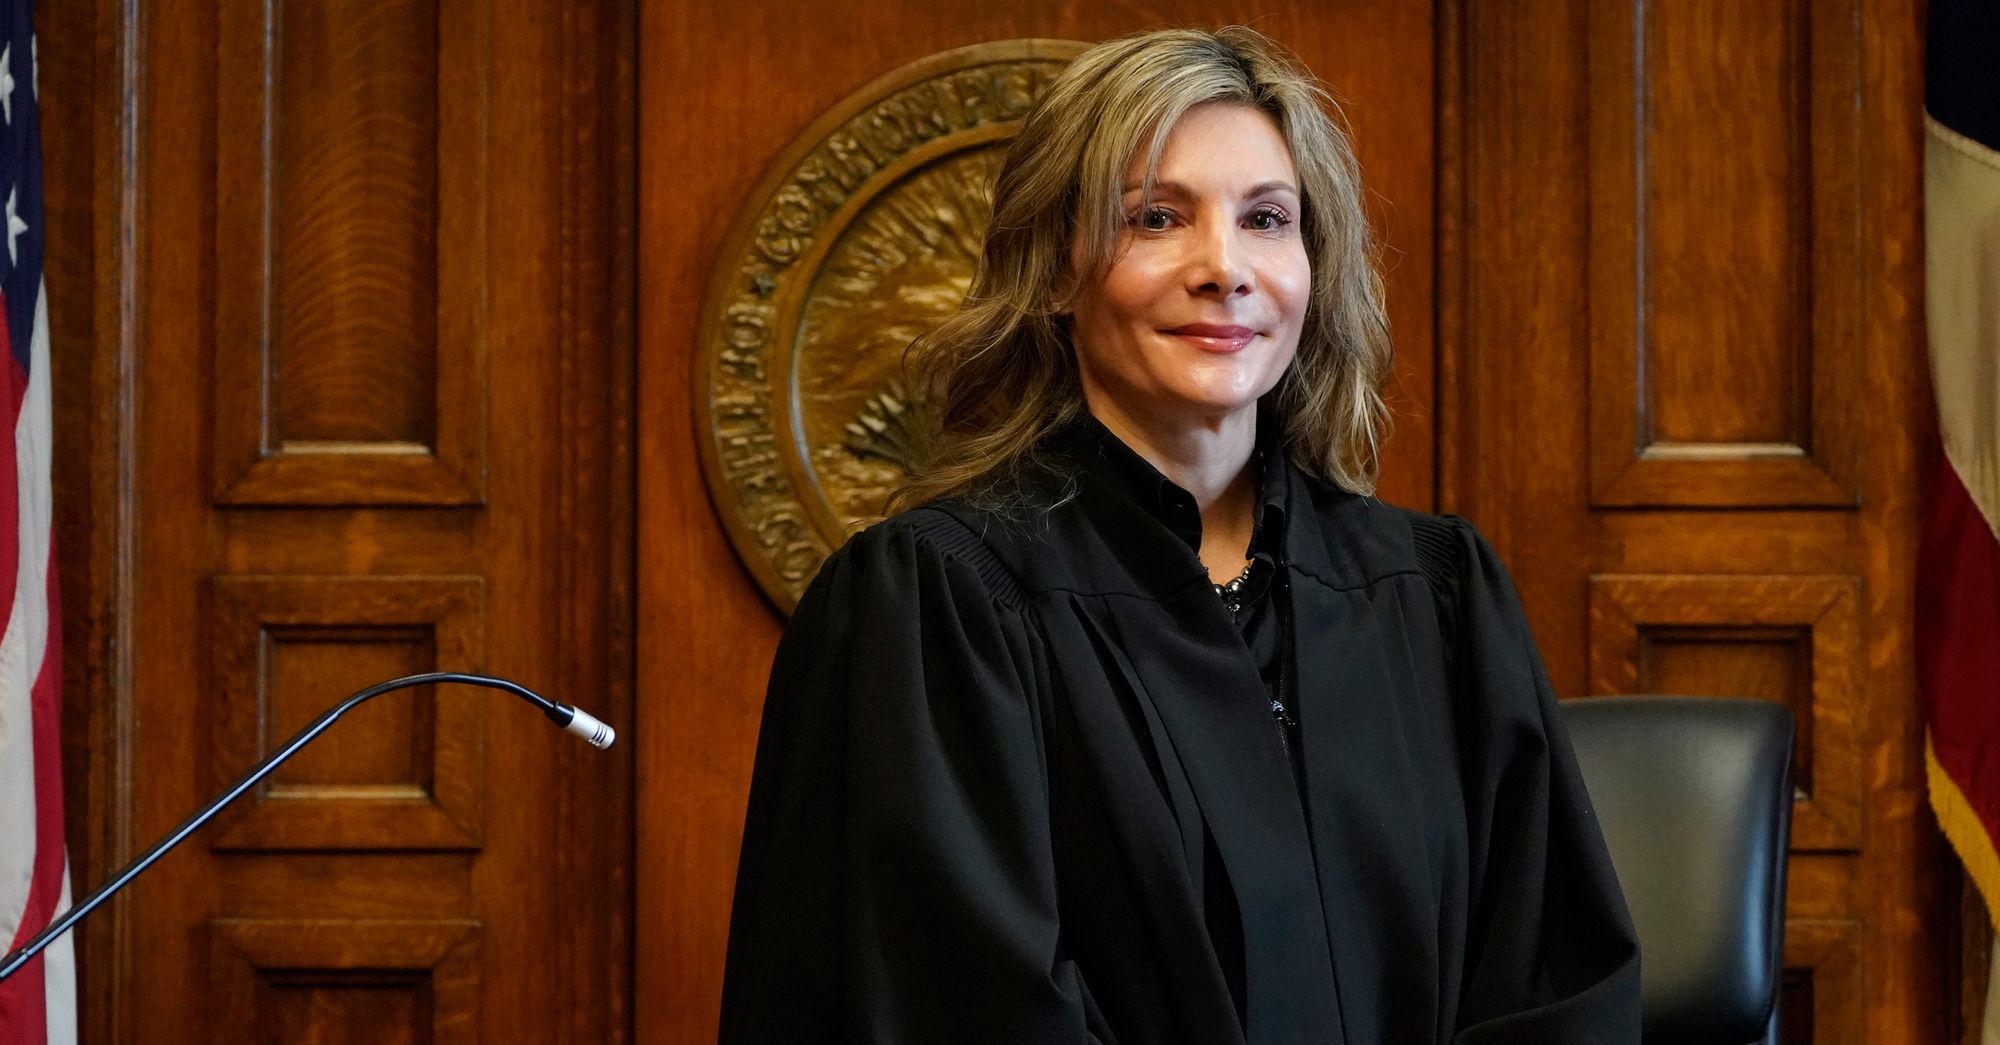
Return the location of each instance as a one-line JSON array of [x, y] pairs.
[[1198, 409], [1221, 398], [1195, 403], [1222, 390]]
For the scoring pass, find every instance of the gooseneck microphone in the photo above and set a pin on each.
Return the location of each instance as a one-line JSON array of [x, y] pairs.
[[571, 719]]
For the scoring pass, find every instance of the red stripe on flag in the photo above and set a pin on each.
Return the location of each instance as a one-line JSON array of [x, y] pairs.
[[1958, 645], [23, 996], [24, 1004], [46, 887]]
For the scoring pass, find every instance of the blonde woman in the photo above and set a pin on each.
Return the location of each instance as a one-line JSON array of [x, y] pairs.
[[1144, 721]]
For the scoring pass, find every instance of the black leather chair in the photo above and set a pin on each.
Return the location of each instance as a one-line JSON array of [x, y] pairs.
[[1695, 798]]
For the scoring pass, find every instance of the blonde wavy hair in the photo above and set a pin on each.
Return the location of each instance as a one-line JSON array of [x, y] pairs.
[[1001, 374]]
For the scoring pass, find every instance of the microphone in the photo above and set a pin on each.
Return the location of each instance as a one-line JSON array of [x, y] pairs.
[[578, 721], [571, 719]]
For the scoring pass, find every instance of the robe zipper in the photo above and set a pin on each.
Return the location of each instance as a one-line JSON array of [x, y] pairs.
[[1281, 703]]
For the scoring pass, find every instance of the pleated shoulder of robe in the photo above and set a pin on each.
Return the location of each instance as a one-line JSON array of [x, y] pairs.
[[1019, 782]]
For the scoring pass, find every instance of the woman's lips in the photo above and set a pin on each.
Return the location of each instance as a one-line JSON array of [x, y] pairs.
[[1212, 338]]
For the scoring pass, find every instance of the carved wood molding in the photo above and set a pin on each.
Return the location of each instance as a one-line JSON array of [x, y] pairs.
[[261, 968], [151, 262], [1822, 963], [438, 803], [1632, 616]]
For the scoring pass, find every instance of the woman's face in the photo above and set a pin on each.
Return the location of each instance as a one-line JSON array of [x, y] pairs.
[[1200, 311]]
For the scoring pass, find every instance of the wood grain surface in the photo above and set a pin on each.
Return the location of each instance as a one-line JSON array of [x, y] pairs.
[[343, 318], [1684, 395]]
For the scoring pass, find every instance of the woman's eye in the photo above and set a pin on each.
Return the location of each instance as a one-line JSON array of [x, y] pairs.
[[1269, 219], [1153, 219]]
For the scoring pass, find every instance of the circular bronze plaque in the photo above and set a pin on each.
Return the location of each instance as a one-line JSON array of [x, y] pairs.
[[863, 236]]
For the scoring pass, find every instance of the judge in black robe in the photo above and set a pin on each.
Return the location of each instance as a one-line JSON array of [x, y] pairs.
[[1020, 780]]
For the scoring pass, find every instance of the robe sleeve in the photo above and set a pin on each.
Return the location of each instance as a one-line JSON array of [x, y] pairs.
[[1551, 955], [897, 882]]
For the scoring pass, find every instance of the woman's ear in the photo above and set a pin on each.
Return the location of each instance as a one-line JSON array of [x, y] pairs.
[[1062, 298]]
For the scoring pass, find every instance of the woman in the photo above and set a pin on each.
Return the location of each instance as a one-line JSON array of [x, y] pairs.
[[1146, 723]]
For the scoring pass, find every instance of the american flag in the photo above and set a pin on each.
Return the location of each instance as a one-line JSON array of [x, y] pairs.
[[37, 1004], [1958, 566]]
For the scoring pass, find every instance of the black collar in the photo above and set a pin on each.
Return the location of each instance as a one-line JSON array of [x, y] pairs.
[[1104, 459]]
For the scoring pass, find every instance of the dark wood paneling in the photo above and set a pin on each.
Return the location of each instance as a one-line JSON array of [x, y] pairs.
[[351, 270], [332, 982], [1521, 242], [1768, 663], [1724, 260], [78, 79], [350, 144], [1806, 628], [1822, 984], [1681, 240], [1974, 961], [280, 483], [284, 649], [1907, 880], [390, 748]]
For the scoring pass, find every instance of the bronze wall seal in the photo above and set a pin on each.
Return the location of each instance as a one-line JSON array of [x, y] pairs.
[[863, 236]]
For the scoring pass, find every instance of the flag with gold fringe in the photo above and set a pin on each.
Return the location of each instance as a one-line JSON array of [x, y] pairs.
[[1958, 567]]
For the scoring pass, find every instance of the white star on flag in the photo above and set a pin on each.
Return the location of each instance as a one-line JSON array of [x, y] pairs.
[[7, 82], [15, 226]]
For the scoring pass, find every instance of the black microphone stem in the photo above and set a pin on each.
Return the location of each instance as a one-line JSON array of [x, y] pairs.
[[571, 719]]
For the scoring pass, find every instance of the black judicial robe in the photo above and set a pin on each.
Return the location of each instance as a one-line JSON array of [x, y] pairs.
[[1018, 782]]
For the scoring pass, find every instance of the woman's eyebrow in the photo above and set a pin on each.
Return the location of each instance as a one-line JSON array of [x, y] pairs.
[[1174, 188], [1266, 187]]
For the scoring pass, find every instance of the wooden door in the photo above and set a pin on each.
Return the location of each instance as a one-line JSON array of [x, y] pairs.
[[340, 296], [1683, 391], [725, 88], [1652, 273]]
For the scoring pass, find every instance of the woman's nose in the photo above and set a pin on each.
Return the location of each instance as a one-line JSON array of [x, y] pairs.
[[1220, 265]]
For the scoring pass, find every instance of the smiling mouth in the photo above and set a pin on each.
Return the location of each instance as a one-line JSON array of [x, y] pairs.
[[1220, 340]]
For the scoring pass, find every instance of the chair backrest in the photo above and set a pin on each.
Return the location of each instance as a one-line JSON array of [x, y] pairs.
[[1694, 796]]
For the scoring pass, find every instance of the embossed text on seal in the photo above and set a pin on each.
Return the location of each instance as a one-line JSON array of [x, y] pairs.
[[864, 235]]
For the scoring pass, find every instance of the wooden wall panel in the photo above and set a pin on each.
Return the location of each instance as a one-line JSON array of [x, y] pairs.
[[1724, 258], [405, 771], [1793, 639], [1710, 232], [1823, 1001], [1691, 419], [305, 313], [1564, 202], [329, 982], [351, 270], [80, 97], [351, 151]]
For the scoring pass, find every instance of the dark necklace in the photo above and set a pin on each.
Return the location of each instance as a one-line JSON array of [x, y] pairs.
[[1231, 593]]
